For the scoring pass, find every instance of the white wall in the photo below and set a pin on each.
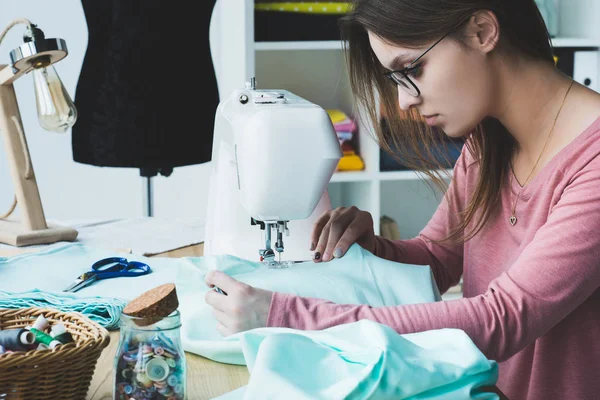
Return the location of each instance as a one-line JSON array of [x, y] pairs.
[[580, 18], [70, 190]]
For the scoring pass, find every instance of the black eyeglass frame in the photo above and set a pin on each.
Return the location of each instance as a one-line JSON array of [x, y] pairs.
[[403, 71]]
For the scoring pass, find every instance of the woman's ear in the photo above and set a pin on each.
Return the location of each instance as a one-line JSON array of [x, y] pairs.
[[482, 31]]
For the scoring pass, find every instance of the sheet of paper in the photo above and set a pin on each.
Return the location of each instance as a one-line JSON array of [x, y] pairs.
[[143, 236]]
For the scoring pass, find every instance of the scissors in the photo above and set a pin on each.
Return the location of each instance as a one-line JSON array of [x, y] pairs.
[[111, 267]]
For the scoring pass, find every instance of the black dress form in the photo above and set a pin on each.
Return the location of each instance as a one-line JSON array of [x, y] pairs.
[[147, 92]]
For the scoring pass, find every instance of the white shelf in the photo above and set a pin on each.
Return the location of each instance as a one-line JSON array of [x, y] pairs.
[[574, 42], [363, 176], [352, 176], [337, 45], [304, 45], [407, 175]]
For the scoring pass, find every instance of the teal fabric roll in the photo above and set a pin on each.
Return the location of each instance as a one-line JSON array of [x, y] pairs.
[[104, 311], [363, 360]]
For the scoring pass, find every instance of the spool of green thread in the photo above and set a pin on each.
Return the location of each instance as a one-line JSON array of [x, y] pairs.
[[44, 338]]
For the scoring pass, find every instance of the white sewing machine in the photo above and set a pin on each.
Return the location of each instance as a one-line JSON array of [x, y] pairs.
[[273, 156]]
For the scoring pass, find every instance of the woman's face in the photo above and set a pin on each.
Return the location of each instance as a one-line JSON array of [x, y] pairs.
[[455, 82]]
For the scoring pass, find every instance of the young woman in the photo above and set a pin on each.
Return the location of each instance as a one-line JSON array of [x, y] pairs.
[[520, 221]]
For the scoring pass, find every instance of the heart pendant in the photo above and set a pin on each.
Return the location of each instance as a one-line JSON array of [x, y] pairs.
[[513, 220]]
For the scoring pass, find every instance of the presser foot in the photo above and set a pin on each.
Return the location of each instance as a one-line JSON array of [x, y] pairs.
[[267, 257]]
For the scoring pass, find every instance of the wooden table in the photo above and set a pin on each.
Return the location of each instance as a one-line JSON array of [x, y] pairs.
[[206, 379]]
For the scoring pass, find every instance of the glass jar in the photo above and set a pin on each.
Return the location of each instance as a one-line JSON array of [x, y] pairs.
[[150, 362]]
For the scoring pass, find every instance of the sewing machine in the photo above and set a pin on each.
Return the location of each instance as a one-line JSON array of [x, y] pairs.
[[273, 155]]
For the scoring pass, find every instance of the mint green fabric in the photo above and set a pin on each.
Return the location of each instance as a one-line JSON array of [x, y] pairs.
[[357, 278], [362, 360]]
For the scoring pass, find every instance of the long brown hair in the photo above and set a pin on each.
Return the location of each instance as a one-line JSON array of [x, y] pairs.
[[414, 24]]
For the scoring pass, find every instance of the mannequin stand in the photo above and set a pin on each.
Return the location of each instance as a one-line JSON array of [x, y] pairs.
[[150, 173]]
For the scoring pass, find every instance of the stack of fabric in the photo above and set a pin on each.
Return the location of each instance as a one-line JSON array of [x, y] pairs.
[[346, 130]]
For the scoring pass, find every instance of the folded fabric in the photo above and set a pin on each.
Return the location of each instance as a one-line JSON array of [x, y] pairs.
[[345, 125], [344, 136], [316, 7], [337, 115], [350, 162], [357, 278], [363, 360], [104, 311]]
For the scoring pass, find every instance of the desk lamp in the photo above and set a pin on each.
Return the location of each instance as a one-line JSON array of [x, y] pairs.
[[56, 112]]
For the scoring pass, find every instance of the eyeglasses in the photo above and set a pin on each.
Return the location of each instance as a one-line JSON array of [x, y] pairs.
[[401, 77]]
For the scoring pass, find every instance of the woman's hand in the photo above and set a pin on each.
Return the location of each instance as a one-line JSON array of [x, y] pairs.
[[336, 230], [240, 308]]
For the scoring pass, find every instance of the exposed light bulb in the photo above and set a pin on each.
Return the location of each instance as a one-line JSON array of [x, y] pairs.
[[56, 111]]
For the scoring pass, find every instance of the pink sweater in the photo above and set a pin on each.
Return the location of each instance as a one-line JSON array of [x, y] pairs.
[[531, 291]]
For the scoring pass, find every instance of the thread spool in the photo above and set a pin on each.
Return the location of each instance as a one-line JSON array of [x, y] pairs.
[[16, 339], [44, 338], [40, 323], [60, 333]]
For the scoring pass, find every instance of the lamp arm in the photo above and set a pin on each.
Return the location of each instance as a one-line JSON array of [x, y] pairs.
[[13, 23], [28, 168]]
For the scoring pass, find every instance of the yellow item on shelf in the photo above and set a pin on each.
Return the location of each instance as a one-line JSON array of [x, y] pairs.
[[336, 115], [350, 163], [315, 7]]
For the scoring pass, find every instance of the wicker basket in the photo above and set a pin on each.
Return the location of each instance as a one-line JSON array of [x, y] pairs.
[[62, 373]]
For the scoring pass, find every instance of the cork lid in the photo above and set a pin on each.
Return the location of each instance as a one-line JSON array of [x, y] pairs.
[[154, 304]]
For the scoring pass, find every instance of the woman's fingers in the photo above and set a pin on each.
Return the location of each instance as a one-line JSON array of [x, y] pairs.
[[215, 300], [222, 318], [321, 244], [317, 230], [347, 239], [223, 330], [338, 227], [221, 280]]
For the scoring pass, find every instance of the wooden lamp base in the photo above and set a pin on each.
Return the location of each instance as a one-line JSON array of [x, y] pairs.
[[32, 229], [15, 234]]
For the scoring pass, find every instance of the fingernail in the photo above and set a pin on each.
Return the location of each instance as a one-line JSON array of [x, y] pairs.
[[327, 257], [312, 246], [317, 256], [337, 253]]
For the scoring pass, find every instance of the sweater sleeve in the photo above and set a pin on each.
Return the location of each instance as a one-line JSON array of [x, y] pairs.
[[445, 259], [555, 273]]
